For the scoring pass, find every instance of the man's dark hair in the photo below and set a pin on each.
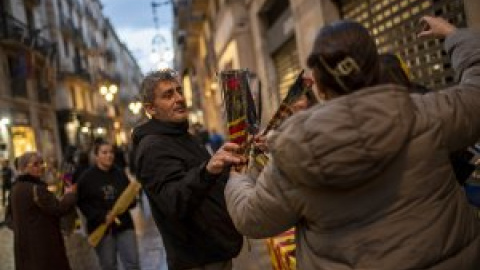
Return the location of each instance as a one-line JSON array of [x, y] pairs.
[[150, 82]]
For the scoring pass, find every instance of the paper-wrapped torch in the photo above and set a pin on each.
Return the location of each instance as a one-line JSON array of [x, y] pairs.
[[120, 206]]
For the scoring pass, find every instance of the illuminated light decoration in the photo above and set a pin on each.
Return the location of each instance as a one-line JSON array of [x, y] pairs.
[[113, 89], [85, 129], [109, 91], [135, 107], [109, 97], [100, 131], [103, 90]]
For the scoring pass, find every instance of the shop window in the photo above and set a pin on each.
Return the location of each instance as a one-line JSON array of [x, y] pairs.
[[23, 140]]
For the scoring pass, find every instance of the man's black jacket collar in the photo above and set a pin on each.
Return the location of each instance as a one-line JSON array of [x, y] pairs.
[[154, 126]]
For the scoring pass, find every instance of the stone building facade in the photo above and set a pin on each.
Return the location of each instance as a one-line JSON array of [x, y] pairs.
[[55, 56], [272, 38]]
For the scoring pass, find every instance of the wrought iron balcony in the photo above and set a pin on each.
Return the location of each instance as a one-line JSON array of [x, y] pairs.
[[14, 30], [76, 72]]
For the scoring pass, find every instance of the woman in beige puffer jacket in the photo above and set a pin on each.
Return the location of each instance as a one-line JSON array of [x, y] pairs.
[[366, 178]]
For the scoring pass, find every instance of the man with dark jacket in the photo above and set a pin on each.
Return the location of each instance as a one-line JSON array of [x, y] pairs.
[[182, 182]]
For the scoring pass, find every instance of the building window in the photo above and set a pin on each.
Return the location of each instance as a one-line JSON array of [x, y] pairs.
[[65, 47], [43, 92], [18, 71], [73, 96], [394, 25], [287, 66]]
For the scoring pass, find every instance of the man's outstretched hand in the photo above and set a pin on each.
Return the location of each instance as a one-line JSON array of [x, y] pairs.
[[225, 156]]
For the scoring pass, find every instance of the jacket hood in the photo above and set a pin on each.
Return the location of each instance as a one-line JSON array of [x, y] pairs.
[[157, 127], [347, 140]]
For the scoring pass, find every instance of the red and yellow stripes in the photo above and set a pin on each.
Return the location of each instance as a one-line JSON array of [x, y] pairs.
[[237, 130]]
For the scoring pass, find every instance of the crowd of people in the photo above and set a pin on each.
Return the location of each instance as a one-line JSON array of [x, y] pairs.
[[369, 177]]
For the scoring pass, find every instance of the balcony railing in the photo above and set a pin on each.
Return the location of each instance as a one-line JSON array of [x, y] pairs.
[[78, 72], [15, 30], [11, 28]]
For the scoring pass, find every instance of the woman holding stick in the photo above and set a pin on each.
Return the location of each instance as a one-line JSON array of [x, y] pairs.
[[98, 189]]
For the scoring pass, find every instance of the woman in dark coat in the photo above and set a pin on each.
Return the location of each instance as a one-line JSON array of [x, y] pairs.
[[36, 216]]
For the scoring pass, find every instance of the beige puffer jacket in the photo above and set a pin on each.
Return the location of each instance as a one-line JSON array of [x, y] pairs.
[[366, 178]]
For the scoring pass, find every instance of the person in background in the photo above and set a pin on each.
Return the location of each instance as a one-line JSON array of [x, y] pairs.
[[201, 133], [215, 140], [82, 163], [7, 176], [38, 242], [366, 178], [98, 189], [119, 157], [183, 183]]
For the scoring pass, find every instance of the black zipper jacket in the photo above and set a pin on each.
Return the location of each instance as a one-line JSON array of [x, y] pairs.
[[187, 203]]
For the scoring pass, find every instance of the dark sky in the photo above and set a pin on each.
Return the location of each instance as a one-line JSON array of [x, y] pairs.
[[134, 24]]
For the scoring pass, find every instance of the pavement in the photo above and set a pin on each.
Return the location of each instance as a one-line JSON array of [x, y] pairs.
[[83, 257], [6, 245], [254, 255]]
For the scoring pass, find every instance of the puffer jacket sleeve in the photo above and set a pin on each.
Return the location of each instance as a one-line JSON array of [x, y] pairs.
[[261, 209], [458, 107]]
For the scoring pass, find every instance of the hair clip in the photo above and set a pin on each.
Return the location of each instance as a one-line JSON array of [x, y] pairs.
[[345, 67]]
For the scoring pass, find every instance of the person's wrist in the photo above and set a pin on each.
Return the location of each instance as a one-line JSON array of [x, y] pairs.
[[211, 170], [213, 167], [448, 30], [207, 174]]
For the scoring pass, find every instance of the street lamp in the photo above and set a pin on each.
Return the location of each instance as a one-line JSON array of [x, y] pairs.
[[135, 107], [109, 91], [5, 121]]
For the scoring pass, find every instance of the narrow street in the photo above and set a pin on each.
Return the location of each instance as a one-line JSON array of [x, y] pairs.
[[82, 257], [254, 256], [6, 245]]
